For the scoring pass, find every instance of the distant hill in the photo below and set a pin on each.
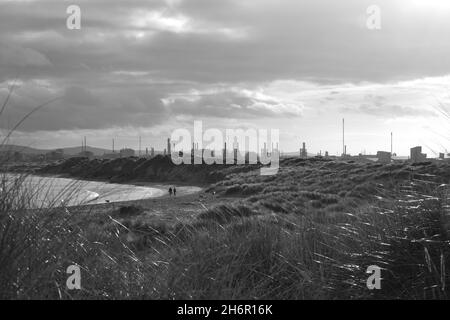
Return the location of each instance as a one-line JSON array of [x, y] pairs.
[[75, 150], [23, 149], [68, 150]]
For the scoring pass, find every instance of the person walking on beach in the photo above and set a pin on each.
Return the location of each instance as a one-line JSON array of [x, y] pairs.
[[170, 191], [174, 191]]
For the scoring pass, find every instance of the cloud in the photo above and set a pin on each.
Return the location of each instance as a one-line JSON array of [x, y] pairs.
[[140, 63], [159, 20], [81, 108], [392, 111], [233, 41], [231, 103]]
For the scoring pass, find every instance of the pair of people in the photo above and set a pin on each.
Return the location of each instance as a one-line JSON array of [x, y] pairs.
[[174, 190]]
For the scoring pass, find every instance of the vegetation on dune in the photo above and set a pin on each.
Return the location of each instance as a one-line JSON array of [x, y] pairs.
[[157, 169], [237, 251], [309, 232], [323, 187]]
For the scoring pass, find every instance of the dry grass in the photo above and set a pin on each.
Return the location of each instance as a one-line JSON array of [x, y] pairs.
[[247, 249]]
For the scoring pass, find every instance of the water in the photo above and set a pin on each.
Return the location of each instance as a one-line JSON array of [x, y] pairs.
[[53, 191]]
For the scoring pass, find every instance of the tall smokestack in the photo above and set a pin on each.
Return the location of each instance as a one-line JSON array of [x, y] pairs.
[[113, 146]]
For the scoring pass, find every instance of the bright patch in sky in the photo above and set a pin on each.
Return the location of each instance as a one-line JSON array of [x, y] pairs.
[[159, 20]]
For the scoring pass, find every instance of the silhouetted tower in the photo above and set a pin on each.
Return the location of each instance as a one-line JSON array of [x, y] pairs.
[[139, 146], [235, 148], [168, 146], [224, 152], [303, 152]]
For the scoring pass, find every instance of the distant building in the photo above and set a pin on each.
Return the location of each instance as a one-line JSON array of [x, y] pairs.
[[444, 157], [417, 155], [384, 157], [303, 151], [127, 152], [224, 152]]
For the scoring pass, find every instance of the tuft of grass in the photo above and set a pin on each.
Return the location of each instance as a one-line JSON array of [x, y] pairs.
[[298, 257], [225, 213], [130, 210], [231, 251]]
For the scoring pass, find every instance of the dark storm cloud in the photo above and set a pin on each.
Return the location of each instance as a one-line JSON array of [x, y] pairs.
[[81, 108], [130, 56]]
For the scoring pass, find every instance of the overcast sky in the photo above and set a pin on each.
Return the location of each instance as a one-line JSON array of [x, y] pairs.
[[149, 67]]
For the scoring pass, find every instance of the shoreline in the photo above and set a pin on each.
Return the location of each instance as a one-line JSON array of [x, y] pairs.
[[138, 183], [183, 189]]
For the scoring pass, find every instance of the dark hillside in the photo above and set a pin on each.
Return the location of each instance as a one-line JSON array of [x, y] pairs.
[[158, 169]]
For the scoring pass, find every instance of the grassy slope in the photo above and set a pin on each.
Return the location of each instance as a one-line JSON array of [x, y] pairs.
[[309, 232]]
